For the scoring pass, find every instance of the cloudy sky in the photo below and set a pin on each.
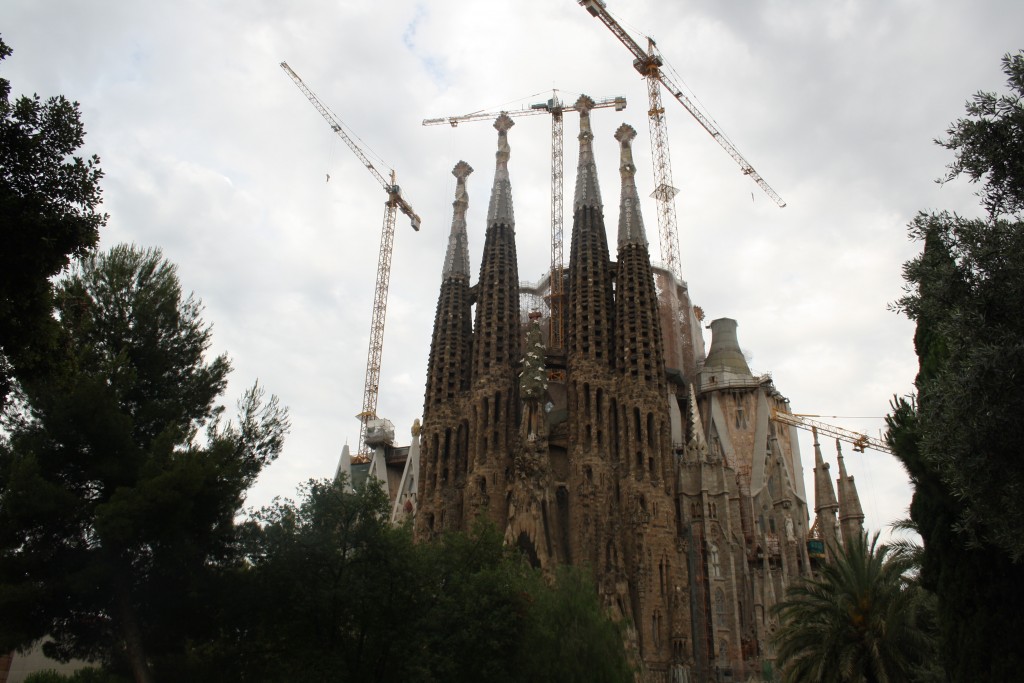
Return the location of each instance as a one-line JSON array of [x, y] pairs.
[[211, 153]]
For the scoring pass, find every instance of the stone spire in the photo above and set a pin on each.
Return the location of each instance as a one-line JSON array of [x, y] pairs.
[[590, 313], [491, 409], [697, 446], [851, 515], [638, 343], [456, 261], [588, 193], [631, 222], [500, 209], [825, 504], [448, 363], [496, 338]]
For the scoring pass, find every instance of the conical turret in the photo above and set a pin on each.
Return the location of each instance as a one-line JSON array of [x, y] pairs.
[[725, 354]]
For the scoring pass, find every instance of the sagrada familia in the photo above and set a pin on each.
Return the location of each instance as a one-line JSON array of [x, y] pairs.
[[629, 450]]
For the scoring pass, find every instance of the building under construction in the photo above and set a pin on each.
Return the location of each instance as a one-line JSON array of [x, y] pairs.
[[626, 448]]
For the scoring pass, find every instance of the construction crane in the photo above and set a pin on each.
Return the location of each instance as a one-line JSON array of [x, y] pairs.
[[555, 107], [648, 63], [860, 441], [394, 203]]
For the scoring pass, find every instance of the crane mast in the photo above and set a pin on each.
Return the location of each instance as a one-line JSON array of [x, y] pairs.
[[394, 203], [556, 108], [648, 63]]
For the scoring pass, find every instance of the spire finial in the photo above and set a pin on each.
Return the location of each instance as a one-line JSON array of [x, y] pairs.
[[456, 261], [631, 222], [500, 209], [588, 193], [698, 445]]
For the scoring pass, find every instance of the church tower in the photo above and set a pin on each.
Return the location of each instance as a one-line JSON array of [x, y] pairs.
[[673, 485], [592, 411], [642, 443], [444, 432], [493, 403]]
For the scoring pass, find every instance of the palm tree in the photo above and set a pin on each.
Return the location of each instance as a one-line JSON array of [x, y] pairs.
[[856, 621]]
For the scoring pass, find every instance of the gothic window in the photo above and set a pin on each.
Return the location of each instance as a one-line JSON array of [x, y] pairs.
[[720, 603], [713, 561]]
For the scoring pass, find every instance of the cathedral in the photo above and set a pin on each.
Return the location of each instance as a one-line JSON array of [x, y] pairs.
[[625, 447]]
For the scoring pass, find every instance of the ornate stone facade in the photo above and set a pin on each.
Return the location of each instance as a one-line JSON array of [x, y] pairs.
[[630, 453]]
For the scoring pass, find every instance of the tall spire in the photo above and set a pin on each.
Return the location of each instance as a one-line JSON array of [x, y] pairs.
[[825, 504], [851, 515], [587, 191], [638, 343], [496, 330], [456, 261], [591, 309], [631, 222], [500, 209]]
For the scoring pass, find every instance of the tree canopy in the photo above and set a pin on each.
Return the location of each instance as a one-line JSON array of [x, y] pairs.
[[960, 437], [49, 214], [965, 291], [119, 481], [330, 590]]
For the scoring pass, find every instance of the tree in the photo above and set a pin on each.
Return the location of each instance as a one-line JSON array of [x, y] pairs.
[[49, 201], [858, 620], [330, 590], [964, 290], [960, 436], [113, 510]]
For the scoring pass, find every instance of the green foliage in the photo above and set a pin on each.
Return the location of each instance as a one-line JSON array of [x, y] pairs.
[[859, 620], [87, 675], [961, 436], [989, 142], [49, 200], [967, 287], [331, 591], [114, 513]]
